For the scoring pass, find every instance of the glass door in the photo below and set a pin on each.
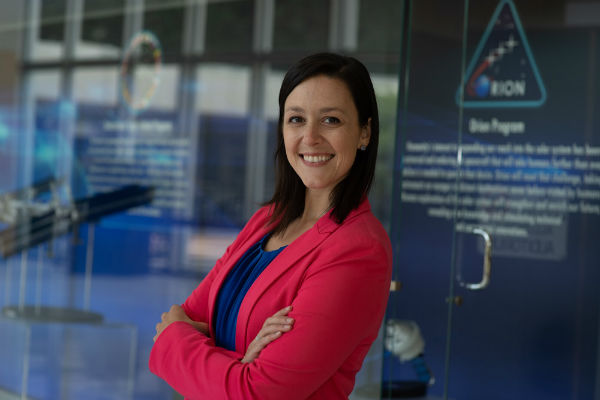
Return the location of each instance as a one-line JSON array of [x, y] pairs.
[[497, 203], [529, 178], [425, 198]]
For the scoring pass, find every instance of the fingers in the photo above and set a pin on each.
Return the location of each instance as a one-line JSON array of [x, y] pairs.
[[177, 313], [159, 328], [200, 326], [272, 329], [279, 318], [277, 321], [258, 344], [283, 311], [267, 338], [276, 324]]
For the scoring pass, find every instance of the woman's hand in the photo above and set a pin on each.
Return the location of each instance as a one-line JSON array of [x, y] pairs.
[[273, 328], [176, 313]]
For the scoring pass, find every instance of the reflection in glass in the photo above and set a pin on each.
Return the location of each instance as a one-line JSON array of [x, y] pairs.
[[386, 89], [52, 25], [160, 18], [97, 85], [301, 26], [101, 29], [48, 143], [223, 106], [143, 56], [229, 26], [380, 25], [44, 85], [160, 90], [48, 43]]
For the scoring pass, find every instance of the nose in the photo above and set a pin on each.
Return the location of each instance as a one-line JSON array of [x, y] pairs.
[[312, 135]]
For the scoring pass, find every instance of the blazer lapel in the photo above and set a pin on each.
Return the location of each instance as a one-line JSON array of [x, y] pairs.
[[252, 238]]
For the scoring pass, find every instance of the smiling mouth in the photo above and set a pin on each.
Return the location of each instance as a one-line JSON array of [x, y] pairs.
[[315, 159]]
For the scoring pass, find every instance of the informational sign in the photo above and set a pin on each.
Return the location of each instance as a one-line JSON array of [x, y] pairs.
[[148, 151], [523, 191], [512, 171]]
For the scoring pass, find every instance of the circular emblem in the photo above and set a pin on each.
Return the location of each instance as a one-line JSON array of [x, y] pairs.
[[144, 48]]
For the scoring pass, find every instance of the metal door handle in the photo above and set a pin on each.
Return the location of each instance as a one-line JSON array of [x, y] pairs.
[[487, 262]]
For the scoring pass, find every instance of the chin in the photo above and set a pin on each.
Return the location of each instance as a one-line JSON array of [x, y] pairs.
[[318, 187]]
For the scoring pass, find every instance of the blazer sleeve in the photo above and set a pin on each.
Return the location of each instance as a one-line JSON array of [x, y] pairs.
[[338, 306]]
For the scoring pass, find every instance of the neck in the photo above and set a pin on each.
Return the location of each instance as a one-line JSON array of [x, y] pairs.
[[316, 204]]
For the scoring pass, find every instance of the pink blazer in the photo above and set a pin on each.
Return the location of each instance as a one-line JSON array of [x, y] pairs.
[[337, 279]]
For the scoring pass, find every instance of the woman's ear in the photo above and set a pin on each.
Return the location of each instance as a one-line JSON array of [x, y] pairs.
[[365, 134]]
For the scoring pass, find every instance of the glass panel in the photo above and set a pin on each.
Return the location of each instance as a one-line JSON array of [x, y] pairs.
[[12, 381], [229, 26], [96, 85], [9, 136], [271, 106], [52, 361], [530, 152], [52, 26], [425, 173], [155, 89], [292, 22], [160, 17], [93, 89], [101, 29], [120, 145], [49, 142], [386, 89], [380, 25], [45, 85], [181, 126], [502, 102], [48, 41], [222, 107]]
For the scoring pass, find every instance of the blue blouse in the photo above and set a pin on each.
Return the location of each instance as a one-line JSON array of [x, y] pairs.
[[235, 287]]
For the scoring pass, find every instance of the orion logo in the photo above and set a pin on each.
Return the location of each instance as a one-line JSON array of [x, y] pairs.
[[484, 86], [502, 72]]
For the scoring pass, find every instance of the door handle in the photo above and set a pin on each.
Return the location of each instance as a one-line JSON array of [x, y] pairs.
[[487, 263]]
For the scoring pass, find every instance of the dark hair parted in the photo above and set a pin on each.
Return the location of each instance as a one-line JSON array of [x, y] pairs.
[[289, 195]]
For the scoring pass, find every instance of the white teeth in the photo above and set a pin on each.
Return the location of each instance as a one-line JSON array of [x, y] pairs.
[[317, 159]]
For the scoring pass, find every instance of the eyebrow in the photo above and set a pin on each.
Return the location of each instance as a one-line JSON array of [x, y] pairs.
[[322, 110], [294, 109]]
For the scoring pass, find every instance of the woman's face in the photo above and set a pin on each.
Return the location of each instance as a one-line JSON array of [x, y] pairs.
[[321, 132]]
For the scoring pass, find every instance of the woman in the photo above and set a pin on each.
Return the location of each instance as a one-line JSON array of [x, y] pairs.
[[293, 306]]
